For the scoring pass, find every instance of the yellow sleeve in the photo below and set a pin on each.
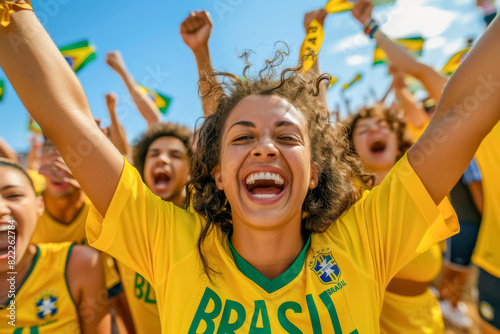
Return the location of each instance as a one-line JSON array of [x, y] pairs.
[[141, 230], [398, 220]]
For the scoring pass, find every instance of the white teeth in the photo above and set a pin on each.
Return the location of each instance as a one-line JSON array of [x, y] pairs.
[[278, 179], [4, 227], [263, 195]]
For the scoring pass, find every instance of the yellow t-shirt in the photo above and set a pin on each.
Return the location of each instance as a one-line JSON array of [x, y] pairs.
[[43, 302], [39, 180], [336, 284], [487, 254], [141, 300], [416, 132], [48, 229], [411, 314]]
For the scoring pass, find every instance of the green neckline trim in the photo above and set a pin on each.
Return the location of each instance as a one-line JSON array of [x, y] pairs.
[[35, 259], [265, 283]]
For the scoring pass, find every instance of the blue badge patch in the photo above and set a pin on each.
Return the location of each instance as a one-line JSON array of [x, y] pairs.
[[326, 268], [46, 306]]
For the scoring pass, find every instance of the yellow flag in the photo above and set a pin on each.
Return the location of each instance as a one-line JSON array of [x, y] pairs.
[[455, 60], [413, 44], [332, 82], [338, 6], [353, 81], [314, 39]]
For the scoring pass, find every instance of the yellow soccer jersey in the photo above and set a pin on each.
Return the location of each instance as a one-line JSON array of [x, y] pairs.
[[336, 284], [43, 302], [141, 299], [416, 132], [49, 229], [487, 254], [411, 314]]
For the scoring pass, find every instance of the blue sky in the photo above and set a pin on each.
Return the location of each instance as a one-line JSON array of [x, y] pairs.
[[148, 37]]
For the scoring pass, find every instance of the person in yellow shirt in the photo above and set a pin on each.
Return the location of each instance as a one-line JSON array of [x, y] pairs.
[[280, 239], [378, 137], [45, 288], [161, 156], [486, 253], [63, 220]]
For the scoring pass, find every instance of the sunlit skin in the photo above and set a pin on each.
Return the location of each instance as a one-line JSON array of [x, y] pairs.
[[57, 173], [63, 196], [266, 134], [166, 169], [17, 200], [376, 145]]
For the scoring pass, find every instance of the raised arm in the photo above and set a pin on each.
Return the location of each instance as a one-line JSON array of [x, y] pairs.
[[116, 132], [320, 15], [146, 106], [414, 111], [195, 31], [6, 151], [54, 97], [399, 56], [467, 111]]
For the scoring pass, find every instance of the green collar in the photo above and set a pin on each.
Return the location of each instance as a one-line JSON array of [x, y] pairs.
[[265, 283]]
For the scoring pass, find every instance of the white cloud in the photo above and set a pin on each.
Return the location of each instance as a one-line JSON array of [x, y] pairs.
[[359, 59]]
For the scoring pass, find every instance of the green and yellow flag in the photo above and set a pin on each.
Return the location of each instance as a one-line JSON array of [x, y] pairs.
[[312, 41], [339, 6], [161, 101], [2, 89], [78, 55], [413, 44], [455, 60], [353, 81], [33, 126]]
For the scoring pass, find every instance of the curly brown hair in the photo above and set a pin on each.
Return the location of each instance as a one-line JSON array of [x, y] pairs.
[[394, 117], [181, 132], [330, 151]]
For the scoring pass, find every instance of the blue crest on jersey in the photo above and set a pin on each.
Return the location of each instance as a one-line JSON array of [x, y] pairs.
[[326, 268], [46, 306]]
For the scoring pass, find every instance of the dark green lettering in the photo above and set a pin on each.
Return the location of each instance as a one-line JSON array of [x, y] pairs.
[[225, 327], [34, 330], [202, 314], [313, 313], [150, 292], [284, 322], [260, 307], [138, 284], [325, 298]]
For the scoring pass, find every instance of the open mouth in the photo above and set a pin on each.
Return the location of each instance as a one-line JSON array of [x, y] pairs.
[[4, 238], [265, 184], [161, 179], [378, 146]]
